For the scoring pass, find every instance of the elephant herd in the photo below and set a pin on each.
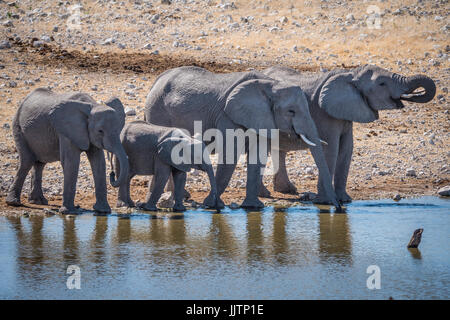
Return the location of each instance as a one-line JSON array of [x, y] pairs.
[[307, 110]]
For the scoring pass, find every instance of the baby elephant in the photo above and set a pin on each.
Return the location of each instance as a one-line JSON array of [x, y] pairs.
[[50, 127], [161, 151]]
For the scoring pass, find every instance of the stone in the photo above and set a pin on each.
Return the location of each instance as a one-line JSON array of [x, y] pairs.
[[38, 43], [130, 112], [397, 197], [444, 191], [410, 172], [46, 38], [8, 23], [148, 46], [5, 44], [166, 200]]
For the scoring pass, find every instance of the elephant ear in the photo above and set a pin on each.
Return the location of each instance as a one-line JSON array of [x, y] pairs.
[[250, 105], [117, 105], [70, 119], [342, 100], [170, 151]]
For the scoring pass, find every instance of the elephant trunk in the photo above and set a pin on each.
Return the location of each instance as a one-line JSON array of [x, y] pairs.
[[307, 131], [123, 168], [418, 81]]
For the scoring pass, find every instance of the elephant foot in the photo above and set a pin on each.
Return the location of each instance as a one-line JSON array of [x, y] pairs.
[[179, 208], [210, 202], [145, 206], [102, 207], [285, 187], [318, 199], [263, 192], [343, 197], [13, 201], [252, 204], [38, 200], [70, 210], [125, 204]]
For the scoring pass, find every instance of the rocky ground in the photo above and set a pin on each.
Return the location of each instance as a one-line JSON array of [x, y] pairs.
[[117, 48]]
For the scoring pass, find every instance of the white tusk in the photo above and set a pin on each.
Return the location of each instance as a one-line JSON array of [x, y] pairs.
[[307, 141], [324, 142]]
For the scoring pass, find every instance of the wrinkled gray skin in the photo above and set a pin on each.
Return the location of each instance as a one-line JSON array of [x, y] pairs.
[[239, 100], [149, 148], [336, 99], [52, 127]]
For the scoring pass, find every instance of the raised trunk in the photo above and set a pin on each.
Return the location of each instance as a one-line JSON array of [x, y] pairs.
[[418, 81], [123, 166]]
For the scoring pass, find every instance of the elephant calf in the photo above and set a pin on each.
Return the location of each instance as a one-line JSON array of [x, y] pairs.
[[52, 127], [152, 150]]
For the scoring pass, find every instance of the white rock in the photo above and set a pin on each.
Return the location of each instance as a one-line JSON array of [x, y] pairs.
[[444, 191], [130, 111], [46, 39], [5, 44]]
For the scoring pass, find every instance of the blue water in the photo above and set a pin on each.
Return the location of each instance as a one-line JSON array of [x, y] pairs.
[[302, 252]]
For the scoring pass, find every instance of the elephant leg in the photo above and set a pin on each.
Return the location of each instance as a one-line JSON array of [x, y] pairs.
[[96, 159], [162, 173], [70, 161], [343, 164], [281, 181], [254, 180], [26, 161], [223, 177], [251, 200], [331, 153], [36, 195], [179, 180], [123, 195]]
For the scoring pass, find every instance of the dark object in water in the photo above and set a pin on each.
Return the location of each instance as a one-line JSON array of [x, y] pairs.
[[415, 239]]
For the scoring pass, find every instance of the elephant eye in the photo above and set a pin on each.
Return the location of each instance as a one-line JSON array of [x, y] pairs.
[[291, 113], [382, 84], [100, 131]]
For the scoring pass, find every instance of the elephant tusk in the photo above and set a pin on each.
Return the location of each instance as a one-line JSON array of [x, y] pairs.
[[307, 141], [324, 142]]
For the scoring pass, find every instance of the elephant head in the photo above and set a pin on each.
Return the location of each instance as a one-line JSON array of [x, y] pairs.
[[358, 95], [89, 123], [184, 153], [271, 104]]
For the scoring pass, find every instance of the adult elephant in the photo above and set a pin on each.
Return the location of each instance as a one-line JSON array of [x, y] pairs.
[[248, 100], [336, 99], [50, 127]]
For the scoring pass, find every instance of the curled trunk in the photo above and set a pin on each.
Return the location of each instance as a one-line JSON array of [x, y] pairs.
[[418, 81]]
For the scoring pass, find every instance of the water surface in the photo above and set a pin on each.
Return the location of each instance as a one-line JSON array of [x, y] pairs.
[[297, 253]]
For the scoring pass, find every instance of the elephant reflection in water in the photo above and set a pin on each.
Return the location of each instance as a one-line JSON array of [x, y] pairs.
[[335, 242], [265, 238], [39, 256]]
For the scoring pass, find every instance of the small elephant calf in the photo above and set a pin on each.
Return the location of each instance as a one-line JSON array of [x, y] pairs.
[[151, 151], [50, 127]]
